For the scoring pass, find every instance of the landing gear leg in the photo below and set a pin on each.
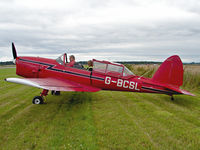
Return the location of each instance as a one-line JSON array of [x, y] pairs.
[[172, 98], [40, 99], [52, 92]]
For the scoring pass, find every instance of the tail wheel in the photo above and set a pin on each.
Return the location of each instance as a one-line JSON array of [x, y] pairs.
[[172, 98], [38, 100]]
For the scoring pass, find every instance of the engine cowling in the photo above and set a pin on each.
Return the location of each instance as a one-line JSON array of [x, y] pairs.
[[27, 70]]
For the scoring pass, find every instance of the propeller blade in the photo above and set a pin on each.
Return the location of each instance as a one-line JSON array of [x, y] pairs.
[[14, 51]]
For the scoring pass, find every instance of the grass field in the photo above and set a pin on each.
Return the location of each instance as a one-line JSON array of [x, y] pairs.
[[102, 120]]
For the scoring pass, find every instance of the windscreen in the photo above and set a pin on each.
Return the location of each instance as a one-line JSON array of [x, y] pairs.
[[61, 58]]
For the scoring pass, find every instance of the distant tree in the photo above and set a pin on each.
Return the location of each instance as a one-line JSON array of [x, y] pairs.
[[7, 63]]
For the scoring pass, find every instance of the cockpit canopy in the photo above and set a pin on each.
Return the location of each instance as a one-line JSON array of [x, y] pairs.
[[62, 60], [112, 69], [104, 67]]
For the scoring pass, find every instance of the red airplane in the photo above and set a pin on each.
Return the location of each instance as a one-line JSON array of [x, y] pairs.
[[54, 75]]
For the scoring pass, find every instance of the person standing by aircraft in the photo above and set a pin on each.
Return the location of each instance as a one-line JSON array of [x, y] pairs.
[[72, 61]]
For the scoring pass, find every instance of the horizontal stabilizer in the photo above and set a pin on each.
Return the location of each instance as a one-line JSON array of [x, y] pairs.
[[178, 90]]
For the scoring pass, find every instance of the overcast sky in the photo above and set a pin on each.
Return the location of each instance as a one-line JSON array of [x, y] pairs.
[[102, 29]]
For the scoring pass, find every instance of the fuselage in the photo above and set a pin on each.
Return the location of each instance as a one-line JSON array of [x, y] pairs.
[[37, 67]]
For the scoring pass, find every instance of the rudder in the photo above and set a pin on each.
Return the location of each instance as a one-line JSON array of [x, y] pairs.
[[170, 71]]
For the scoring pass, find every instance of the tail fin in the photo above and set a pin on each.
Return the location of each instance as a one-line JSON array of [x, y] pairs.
[[170, 71]]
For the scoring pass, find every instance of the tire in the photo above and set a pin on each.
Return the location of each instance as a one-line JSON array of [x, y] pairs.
[[57, 93], [38, 100]]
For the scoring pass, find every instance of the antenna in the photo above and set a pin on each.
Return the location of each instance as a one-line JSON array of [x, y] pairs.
[[144, 74]]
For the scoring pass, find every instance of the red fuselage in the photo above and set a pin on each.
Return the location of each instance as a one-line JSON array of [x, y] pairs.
[[36, 67]]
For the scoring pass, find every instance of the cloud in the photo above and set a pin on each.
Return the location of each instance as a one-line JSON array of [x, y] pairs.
[[92, 27]]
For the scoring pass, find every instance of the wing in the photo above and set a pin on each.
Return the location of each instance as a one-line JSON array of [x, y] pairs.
[[53, 84]]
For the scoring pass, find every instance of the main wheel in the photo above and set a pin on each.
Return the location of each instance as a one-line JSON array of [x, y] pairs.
[[38, 100]]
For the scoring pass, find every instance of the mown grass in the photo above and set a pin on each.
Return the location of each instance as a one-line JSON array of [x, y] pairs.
[[102, 120]]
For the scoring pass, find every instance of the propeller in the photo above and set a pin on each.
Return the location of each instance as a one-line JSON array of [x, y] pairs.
[[14, 51]]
